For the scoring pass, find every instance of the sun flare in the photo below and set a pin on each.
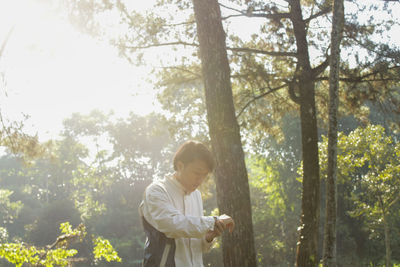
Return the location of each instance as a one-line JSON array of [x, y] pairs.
[[50, 70]]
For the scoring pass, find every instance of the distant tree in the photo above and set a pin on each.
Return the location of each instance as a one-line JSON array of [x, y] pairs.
[[369, 159], [274, 196], [8, 209], [96, 172], [128, 154]]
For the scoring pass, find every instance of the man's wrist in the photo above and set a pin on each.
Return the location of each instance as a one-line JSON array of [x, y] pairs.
[[210, 236], [215, 222]]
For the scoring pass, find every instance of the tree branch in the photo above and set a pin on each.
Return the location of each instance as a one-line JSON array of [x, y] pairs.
[[372, 74], [59, 240], [258, 97], [277, 16], [233, 16], [182, 69], [357, 79], [258, 51], [180, 23], [364, 77], [233, 49], [6, 129], [292, 93], [231, 8], [274, 16], [320, 68], [162, 44], [365, 46], [322, 12], [394, 201]]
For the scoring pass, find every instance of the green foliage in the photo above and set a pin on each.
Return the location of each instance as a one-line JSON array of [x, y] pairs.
[[71, 183], [103, 249], [275, 193], [8, 209], [3, 234], [264, 180], [58, 257], [66, 228], [57, 254], [369, 158], [368, 171], [78, 185], [13, 137], [18, 253]]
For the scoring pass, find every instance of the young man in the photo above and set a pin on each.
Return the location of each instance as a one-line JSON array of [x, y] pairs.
[[172, 212]]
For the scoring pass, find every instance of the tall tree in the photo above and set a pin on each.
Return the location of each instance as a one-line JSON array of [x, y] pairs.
[[233, 195], [329, 251], [307, 251]]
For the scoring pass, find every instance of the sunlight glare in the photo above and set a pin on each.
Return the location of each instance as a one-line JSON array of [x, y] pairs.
[[51, 71]]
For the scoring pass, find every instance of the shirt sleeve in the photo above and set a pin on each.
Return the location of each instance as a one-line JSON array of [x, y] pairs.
[[205, 245], [162, 215]]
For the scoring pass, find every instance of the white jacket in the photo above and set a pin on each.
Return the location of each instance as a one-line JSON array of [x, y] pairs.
[[169, 209]]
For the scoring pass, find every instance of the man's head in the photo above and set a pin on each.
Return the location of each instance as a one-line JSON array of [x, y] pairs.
[[192, 163]]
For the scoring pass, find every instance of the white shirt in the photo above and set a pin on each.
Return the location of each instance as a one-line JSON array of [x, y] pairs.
[[169, 209]]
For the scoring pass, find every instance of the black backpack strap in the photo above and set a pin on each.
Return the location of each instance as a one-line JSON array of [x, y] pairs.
[[156, 244]]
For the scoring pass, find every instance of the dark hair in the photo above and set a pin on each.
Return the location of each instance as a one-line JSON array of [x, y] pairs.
[[191, 151]]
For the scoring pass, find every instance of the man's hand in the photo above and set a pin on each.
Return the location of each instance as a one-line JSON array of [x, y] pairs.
[[221, 223], [219, 228], [227, 221]]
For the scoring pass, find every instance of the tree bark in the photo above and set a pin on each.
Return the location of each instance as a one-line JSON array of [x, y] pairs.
[[307, 249], [329, 251], [387, 241], [388, 260], [233, 195]]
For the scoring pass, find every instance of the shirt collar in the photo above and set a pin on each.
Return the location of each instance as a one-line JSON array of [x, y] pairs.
[[176, 183]]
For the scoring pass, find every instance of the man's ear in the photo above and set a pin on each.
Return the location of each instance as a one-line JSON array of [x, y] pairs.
[[180, 166]]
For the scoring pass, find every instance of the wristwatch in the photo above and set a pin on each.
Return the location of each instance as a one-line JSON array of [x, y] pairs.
[[215, 218]]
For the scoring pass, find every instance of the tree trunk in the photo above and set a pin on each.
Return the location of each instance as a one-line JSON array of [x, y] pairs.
[[387, 233], [387, 242], [329, 251], [233, 195], [307, 249]]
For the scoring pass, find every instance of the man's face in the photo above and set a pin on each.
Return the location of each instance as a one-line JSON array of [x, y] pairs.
[[192, 174]]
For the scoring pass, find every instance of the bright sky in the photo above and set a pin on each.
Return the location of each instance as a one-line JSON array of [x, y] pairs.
[[50, 71]]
